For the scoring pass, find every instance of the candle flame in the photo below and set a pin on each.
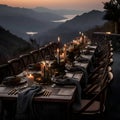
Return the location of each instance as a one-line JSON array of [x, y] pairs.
[[108, 32], [58, 39], [58, 50]]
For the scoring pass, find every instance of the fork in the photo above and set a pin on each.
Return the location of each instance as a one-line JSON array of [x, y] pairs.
[[47, 93], [11, 92], [16, 90]]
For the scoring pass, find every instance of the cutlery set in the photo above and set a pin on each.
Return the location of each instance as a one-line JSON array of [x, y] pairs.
[[47, 93], [15, 91]]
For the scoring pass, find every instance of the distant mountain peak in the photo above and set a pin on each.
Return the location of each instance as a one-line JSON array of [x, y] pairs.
[[20, 20]]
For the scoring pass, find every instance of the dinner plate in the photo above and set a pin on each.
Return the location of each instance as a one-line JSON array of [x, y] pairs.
[[60, 81], [22, 81], [11, 80], [41, 91]]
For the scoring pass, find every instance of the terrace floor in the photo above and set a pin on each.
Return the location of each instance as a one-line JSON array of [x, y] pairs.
[[114, 98]]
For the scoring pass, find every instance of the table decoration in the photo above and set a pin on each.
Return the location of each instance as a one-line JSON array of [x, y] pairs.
[[43, 69], [30, 79], [65, 51], [58, 56]]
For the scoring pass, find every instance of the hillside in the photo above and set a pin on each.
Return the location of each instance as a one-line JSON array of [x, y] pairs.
[[20, 20], [58, 11], [11, 45], [71, 28]]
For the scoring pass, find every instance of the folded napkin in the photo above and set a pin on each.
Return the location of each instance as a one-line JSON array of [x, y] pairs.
[[72, 81], [91, 48], [73, 69], [25, 109], [88, 53], [82, 59], [80, 69]]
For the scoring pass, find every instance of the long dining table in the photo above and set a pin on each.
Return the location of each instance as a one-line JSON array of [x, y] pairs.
[[64, 94]]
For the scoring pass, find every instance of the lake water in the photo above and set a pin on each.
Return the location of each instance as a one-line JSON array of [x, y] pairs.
[[68, 17]]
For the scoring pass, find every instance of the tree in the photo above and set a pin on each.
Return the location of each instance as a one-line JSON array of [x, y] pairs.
[[113, 13]]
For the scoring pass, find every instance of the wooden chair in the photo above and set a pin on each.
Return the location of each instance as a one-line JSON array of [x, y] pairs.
[[110, 76], [100, 58], [110, 79], [48, 52], [36, 56], [4, 71], [54, 45], [109, 68], [42, 52], [16, 66], [26, 59], [95, 79], [94, 105]]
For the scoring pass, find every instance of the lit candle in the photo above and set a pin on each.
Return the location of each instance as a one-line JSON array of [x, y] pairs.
[[30, 79], [43, 69], [79, 33], [59, 44], [58, 50], [58, 39], [62, 56], [108, 32], [58, 55], [80, 40], [65, 47]]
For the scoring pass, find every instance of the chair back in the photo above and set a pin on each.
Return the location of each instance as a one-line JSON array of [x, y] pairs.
[[26, 59], [36, 56], [16, 66], [4, 71]]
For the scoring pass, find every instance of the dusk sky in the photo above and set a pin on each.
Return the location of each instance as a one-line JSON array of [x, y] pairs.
[[57, 4]]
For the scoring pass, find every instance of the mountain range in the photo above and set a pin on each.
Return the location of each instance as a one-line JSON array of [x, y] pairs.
[[20, 20], [11, 45], [71, 28], [58, 11]]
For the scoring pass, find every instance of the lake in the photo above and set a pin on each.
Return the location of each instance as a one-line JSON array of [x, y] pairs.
[[68, 17]]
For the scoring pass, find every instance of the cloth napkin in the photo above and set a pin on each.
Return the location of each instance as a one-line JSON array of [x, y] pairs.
[[72, 81], [88, 53], [82, 59], [24, 103], [79, 69]]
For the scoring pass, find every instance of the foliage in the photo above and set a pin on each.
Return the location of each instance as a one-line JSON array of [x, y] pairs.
[[112, 9], [107, 27]]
